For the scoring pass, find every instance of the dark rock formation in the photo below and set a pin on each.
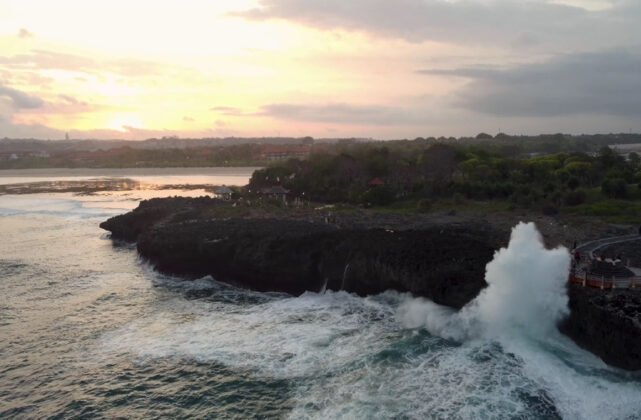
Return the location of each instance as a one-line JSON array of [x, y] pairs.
[[129, 226], [608, 323], [609, 270], [443, 263], [629, 252]]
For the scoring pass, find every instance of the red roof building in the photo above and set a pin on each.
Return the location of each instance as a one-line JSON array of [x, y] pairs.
[[278, 152], [376, 182]]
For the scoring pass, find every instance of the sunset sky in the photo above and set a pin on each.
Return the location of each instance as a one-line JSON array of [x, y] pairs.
[[325, 68]]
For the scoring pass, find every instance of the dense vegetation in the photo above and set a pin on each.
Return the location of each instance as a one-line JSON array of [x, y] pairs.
[[423, 173], [176, 152], [129, 157]]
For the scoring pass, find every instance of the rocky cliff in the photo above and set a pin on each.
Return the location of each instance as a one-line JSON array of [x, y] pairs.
[[187, 237], [608, 323], [442, 262]]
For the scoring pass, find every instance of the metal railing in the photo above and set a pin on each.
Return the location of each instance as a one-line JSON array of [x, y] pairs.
[[603, 282]]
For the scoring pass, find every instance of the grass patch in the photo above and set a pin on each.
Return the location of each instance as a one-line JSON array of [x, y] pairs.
[[414, 205], [614, 211], [494, 206]]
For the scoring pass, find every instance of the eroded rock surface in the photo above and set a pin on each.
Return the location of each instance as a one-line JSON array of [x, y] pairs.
[[608, 323], [180, 236], [444, 262]]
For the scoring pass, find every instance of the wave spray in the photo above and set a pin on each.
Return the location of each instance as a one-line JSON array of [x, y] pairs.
[[526, 294]]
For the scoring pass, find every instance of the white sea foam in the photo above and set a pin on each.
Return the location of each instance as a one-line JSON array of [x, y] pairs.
[[526, 294], [525, 299], [282, 337], [63, 205], [74, 206], [526, 286], [352, 357]]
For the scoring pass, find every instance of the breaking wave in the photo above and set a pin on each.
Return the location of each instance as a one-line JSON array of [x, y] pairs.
[[525, 299], [526, 294]]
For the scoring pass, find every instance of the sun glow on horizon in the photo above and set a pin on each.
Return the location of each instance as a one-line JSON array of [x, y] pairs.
[[262, 67], [124, 122]]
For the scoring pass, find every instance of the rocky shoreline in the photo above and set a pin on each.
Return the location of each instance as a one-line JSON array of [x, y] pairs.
[[193, 238], [607, 323], [440, 257]]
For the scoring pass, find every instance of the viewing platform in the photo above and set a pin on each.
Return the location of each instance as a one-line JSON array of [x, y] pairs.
[[592, 270]]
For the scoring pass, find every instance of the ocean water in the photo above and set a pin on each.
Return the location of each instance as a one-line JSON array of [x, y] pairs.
[[88, 330], [157, 176]]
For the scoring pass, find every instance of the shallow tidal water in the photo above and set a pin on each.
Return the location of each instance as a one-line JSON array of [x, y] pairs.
[[88, 330]]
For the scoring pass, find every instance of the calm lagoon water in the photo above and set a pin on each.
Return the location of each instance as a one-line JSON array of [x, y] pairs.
[[154, 176]]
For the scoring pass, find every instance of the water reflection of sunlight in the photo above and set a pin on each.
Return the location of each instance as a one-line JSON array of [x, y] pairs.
[[154, 176], [129, 200], [105, 195], [145, 183], [72, 205]]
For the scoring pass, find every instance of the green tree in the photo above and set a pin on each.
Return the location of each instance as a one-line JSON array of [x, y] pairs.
[[573, 183], [634, 160], [614, 188]]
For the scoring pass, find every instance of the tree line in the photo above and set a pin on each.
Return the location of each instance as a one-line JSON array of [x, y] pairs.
[[421, 170]]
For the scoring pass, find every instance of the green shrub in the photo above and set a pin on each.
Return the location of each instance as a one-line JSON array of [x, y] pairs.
[[615, 210], [550, 210], [424, 205], [575, 198], [573, 183], [378, 196], [614, 188]]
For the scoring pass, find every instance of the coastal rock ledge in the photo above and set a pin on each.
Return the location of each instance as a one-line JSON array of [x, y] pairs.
[[607, 323], [298, 252], [198, 237]]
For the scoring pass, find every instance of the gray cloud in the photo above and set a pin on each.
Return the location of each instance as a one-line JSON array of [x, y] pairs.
[[504, 22], [24, 34], [19, 99], [65, 104], [70, 100], [229, 111], [52, 60], [343, 114], [13, 130], [605, 83], [42, 59]]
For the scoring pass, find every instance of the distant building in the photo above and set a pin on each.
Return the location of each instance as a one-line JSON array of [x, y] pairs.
[[224, 193], [284, 152], [40, 155], [276, 192], [625, 149], [376, 182]]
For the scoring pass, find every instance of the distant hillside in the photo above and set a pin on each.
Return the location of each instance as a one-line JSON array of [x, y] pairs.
[[177, 152]]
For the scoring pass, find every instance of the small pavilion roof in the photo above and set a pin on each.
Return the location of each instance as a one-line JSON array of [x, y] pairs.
[[275, 190], [376, 182], [223, 190]]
